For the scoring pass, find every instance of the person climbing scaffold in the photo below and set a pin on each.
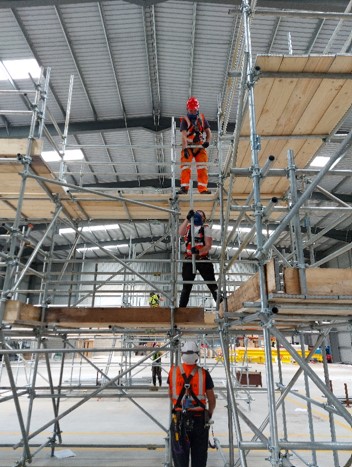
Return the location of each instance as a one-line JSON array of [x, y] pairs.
[[191, 390], [198, 239], [195, 131]]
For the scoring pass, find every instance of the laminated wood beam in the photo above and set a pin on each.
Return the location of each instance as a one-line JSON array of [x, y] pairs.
[[142, 316], [17, 312], [320, 281], [116, 316], [250, 290], [325, 287], [11, 147]]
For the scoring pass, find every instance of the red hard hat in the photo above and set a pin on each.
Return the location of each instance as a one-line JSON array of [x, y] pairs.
[[193, 103]]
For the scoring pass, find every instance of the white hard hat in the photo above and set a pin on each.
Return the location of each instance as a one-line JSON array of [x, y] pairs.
[[189, 352], [189, 347]]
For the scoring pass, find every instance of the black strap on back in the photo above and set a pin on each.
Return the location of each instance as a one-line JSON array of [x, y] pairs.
[[187, 380]]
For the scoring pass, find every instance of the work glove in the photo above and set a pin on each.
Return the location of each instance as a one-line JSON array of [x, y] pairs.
[[209, 423], [190, 214], [194, 250], [205, 144], [208, 420], [185, 153]]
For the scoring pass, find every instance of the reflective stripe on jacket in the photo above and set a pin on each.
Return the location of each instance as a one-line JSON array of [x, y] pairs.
[[198, 384]]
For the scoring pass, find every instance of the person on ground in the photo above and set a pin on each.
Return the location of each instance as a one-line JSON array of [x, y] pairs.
[[203, 241], [195, 131], [191, 390], [156, 366]]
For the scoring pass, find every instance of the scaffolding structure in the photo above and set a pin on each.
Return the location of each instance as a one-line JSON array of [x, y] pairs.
[[270, 314]]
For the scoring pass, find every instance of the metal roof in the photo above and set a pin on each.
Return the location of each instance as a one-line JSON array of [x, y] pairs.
[[135, 63]]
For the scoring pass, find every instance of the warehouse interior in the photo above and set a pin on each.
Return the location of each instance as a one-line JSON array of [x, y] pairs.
[[91, 98]]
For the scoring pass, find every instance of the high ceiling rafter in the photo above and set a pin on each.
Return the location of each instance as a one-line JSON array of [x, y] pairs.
[[324, 5]]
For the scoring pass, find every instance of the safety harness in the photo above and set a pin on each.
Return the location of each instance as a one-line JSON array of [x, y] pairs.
[[195, 130], [181, 419], [187, 391], [199, 239]]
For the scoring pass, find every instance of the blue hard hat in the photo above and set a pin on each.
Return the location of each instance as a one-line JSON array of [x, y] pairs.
[[198, 218]]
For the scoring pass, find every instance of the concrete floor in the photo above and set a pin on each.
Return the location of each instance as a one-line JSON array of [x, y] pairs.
[[132, 438]]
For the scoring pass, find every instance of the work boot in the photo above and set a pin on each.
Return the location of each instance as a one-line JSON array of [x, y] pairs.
[[182, 191], [205, 192]]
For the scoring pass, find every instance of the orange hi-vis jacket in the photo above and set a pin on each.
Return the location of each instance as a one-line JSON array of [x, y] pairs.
[[195, 133], [199, 240], [197, 384]]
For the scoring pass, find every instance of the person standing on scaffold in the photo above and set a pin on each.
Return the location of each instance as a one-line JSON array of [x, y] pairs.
[[195, 130]]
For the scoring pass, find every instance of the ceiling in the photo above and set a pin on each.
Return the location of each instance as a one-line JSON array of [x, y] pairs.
[[132, 65]]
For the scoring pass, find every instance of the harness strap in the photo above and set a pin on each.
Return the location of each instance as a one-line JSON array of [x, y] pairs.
[[200, 235], [187, 381], [199, 403], [198, 125]]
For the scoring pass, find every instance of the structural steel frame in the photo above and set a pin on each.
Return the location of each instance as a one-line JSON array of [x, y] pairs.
[[280, 450]]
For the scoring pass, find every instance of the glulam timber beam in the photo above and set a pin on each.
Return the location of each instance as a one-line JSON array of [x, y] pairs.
[[83, 317], [328, 293]]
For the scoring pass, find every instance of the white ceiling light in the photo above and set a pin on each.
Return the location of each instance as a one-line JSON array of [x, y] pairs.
[[110, 247], [123, 245], [20, 69], [242, 229], [81, 250], [218, 227], [319, 161], [90, 228], [249, 250], [70, 155]]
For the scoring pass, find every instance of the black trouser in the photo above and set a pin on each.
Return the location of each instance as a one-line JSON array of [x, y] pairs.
[[194, 441], [206, 270], [156, 373]]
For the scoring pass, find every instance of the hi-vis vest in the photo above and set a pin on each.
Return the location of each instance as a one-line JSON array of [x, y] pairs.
[[154, 300], [195, 133], [199, 239], [198, 385]]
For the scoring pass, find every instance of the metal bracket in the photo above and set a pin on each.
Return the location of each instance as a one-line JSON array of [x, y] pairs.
[[24, 159], [257, 143]]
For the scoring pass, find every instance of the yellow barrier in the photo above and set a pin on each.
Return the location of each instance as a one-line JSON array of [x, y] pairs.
[[257, 355]]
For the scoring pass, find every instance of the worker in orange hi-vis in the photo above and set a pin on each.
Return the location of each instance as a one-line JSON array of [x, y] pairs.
[[191, 390], [195, 131]]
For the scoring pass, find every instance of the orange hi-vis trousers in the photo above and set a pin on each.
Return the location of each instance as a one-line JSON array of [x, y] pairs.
[[201, 157]]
